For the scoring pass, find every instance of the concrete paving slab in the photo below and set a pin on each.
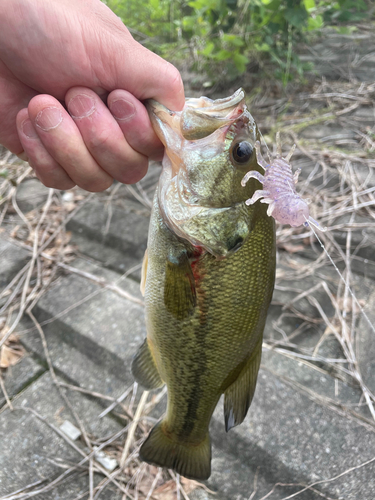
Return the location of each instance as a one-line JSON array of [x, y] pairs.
[[19, 376], [32, 448], [366, 344], [294, 440], [315, 379], [13, 258], [75, 366], [107, 256], [286, 437], [31, 193], [124, 230], [75, 486], [107, 328], [282, 439], [119, 244]]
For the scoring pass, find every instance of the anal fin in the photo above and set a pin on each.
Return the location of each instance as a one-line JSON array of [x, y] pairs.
[[239, 395], [144, 368]]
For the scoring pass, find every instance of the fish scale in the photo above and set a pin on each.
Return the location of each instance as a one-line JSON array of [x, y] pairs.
[[206, 303]]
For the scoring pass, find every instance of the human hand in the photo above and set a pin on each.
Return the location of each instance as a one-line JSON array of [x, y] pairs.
[[80, 53]]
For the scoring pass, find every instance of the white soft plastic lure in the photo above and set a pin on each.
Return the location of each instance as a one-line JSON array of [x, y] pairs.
[[285, 204]]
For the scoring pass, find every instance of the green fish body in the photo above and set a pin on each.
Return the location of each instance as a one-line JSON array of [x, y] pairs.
[[208, 278]]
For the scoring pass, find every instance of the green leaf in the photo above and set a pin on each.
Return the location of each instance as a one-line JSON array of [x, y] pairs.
[[233, 39], [264, 47], [207, 51], [315, 23], [309, 5], [223, 55], [240, 62], [189, 22], [345, 30], [296, 16]]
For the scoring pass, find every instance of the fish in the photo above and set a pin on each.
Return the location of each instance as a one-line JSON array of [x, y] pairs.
[[207, 278]]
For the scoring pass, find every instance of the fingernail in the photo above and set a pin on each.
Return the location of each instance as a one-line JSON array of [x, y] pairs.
[[28, 129], [49, 118], [81, 106], [122, 109]]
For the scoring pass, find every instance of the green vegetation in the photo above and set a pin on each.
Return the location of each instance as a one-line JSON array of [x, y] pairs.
[[225, 35]]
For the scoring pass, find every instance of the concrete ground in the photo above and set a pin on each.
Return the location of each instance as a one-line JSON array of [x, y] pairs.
[[309, 433]]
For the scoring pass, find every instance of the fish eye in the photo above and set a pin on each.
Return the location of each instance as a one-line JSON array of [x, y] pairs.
[[242, 152]]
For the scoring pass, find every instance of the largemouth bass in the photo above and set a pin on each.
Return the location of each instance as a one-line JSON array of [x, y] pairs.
[[208, 278]]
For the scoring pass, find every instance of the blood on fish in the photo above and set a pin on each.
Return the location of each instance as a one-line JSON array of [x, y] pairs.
[[198, 252], [285, 204]]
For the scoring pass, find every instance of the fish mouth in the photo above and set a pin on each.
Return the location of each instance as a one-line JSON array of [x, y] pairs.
[[219, 105], [200, 117], [155, 108], [165, 122]]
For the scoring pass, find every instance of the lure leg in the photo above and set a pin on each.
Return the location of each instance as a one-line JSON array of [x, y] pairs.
[[260, 158], [256, 196], [290, 154], [252, 174], [271, 208], [296, 175]]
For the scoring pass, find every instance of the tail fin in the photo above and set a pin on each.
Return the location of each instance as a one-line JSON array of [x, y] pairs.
[[190, 461]]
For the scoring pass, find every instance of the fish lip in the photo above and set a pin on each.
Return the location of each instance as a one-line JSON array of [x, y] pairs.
[[202, 117], [151, 105], [162, 120], [218, 105], [154, 107]]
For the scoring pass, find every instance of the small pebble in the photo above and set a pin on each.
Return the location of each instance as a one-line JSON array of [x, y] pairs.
[[107, 462], [68, 196], [70, 430]]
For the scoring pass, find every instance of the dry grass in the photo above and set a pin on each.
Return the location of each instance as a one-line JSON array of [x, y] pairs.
[[338, 177]]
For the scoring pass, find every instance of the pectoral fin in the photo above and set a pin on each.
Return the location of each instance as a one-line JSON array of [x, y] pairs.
[[239, 395], [144, 368], [179, 288]]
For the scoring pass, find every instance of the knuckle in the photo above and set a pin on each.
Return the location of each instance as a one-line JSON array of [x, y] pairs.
[[101, 140]]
